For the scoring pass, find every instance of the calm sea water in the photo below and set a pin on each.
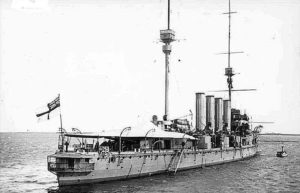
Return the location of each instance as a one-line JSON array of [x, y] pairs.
[[23, 168]]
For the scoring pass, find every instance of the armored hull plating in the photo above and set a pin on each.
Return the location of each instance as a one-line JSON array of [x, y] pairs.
[[130, 165]]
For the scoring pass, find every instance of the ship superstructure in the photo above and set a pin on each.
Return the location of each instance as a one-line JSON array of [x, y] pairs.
[[221, 135]]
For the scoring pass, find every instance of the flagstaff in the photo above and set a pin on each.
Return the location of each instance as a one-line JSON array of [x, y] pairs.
[[52, 106], [61, 127]]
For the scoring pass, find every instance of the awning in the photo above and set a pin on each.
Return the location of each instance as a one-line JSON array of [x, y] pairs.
[[138, 131]]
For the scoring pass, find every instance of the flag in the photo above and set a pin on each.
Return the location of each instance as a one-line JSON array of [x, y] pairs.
[[50, 107]]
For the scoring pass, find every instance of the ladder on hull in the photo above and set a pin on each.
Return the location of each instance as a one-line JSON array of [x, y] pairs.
[[175, 162]]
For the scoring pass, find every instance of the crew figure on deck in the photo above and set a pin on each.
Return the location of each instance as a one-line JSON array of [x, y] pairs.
[[207, 130], [67, 145]]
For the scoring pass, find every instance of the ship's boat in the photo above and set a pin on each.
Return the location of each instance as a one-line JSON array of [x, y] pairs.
[[222, 134], [281, 153]]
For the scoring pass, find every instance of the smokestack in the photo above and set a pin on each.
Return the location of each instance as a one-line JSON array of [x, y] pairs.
[[218, 114], [227, 114], [200, 111], [210, 111]]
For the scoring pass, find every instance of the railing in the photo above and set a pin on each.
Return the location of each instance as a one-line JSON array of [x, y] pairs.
[[65, 167]]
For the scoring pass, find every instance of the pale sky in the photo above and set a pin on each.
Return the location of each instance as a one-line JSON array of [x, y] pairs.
[[105, 59]]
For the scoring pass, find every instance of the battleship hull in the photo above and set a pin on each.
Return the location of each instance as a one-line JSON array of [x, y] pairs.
[[133, 165]]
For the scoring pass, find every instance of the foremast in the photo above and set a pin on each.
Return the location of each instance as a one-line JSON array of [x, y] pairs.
[[167, 36]]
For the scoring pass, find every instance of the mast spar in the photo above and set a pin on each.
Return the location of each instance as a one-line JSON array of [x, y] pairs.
[[167, 36]]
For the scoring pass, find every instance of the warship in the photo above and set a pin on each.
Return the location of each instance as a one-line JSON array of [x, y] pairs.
[[221, 134]]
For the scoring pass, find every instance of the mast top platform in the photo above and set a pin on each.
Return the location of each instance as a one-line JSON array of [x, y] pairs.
[[167, 35], [229, 71]]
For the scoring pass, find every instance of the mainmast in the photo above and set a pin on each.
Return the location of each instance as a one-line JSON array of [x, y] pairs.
[[229, 71], [167, 36]]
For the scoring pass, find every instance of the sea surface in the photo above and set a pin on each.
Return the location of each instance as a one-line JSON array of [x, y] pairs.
[[23, 168]]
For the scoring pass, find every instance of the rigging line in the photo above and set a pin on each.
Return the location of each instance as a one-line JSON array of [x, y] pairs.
[[177, 85]]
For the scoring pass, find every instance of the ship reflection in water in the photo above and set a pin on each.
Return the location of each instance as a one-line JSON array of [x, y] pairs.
[[23, 169]]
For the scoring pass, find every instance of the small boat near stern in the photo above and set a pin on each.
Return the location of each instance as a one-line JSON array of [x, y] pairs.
[[281, 153]]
